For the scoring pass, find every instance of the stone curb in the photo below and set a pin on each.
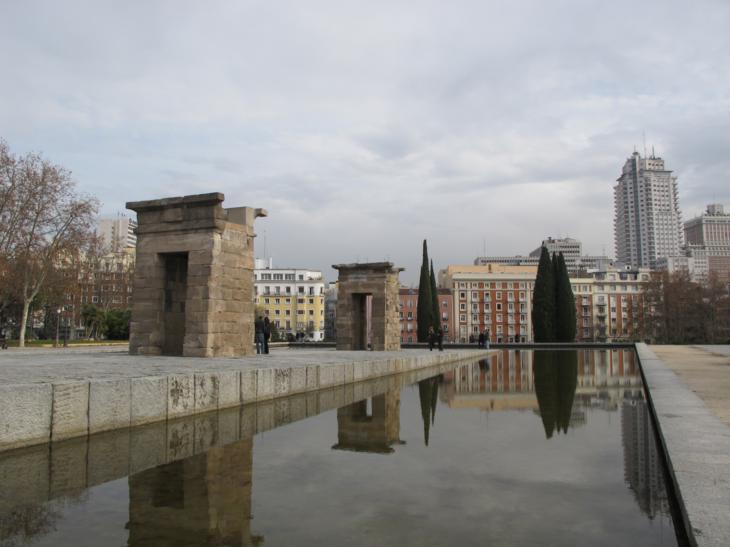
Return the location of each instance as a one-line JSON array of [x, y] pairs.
[[33, 414], [696, 445]]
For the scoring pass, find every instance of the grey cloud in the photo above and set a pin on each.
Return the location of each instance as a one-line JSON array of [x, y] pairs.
[[364, 129]]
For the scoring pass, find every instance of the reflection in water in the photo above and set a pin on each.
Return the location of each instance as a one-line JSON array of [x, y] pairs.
[[428, 392], [556, 374], [202, 500], [642, 460], [377, 432], [20, 525], [206, 499]]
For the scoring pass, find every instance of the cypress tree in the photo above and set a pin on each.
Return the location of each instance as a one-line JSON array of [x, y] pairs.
[[564, 304], [543, 300], [424, 310], [435, 299]]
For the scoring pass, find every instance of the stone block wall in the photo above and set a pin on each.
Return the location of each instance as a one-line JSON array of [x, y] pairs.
[[218, 305]]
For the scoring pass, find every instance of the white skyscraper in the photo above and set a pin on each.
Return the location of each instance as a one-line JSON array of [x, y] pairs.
[[648, 223]]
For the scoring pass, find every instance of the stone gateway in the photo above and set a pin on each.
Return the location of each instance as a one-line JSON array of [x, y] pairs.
[[367, 306], [193, 280]]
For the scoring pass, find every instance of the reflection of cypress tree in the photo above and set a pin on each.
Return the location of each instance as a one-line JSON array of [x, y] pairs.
[[424, 396], [556, 378], [545, 384], [566, 364], [434, 397]]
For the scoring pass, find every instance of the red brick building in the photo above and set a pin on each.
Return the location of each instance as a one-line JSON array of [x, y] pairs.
[[408, 319]]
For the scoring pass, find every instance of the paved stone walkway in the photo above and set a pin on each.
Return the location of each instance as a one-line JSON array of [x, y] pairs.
[[27, 366], [705, 370]]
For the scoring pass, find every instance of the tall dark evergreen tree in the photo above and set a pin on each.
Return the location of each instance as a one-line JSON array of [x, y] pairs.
[[424, 310], [435, 299], [564, 303], [543, 300]]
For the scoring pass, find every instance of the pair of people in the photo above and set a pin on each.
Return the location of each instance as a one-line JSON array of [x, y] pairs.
[[263, 333], [484, 339], [435, 336]]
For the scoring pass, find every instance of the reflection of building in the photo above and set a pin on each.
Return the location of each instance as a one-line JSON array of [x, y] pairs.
[[642, 464], [202, 500], [505, 381], [292, 298], [376, 432], [409, 321]]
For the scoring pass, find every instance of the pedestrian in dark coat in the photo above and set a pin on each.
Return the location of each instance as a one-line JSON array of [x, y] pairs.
[[440, 338], [259, 336], [431, 338], [267, 334], [481, 339]]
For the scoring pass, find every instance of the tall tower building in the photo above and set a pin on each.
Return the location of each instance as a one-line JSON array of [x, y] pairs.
[[648, 223]]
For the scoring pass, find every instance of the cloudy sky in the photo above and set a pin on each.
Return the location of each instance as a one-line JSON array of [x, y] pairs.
[[364, 127]]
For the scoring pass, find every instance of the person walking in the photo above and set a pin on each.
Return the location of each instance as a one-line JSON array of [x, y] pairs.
[[259, 336], [431, 338], [486, 339], [440, 338], [267, 334], [481, 339]]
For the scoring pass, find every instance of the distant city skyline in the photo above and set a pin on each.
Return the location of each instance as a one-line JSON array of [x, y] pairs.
[[483, 127]]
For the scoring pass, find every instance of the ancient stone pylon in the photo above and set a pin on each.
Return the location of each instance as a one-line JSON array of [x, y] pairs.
[[367, 306], [193, 280]]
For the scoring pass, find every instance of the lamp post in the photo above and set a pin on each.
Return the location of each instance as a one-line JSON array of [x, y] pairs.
[[58, 325]]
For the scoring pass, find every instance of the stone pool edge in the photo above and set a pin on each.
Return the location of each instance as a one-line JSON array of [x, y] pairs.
[[696, 445], [38, 413]]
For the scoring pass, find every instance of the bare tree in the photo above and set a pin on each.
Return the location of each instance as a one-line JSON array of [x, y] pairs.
[[44, 222]]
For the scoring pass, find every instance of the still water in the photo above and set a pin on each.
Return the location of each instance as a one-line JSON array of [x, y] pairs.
[[524, 448]]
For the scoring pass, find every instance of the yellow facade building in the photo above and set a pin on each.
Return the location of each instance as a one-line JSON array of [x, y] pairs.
[[292, 299]]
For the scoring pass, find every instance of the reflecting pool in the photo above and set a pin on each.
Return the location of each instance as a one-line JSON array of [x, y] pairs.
[[523, 448]]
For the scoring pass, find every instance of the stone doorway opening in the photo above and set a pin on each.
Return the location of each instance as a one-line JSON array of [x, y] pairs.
[[362, 313], [176, 289]]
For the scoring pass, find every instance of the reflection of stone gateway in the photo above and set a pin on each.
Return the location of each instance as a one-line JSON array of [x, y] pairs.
[[376, 433], [201, 500], [368, 293], [193, 280]]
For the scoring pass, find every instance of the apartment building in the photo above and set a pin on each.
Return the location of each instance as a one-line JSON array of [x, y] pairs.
[[117, 232], [494, 297], [572, 249], [292, 298], [708, 241], [609, 302], [409, 321]]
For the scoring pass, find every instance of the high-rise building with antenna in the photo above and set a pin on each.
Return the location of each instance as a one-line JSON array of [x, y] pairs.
[[647, 223]]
